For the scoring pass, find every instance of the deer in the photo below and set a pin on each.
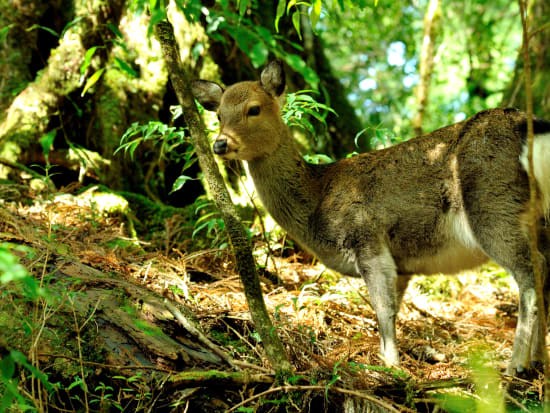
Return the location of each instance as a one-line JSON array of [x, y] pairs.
[[443, 202]]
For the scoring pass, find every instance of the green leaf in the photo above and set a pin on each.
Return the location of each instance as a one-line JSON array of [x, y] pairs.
[[281, 7], [179, 182], [294, 379], [358, 135], [315, 13], [87, 59], [125, 67], [10, 393], [46, 141], [318, 159], [115, 30], [4, 32], [157, 16], [7, 367], [243, 5], [78, 382], [199, 228], [296, 23], [19, 358], [197, 50], [47, 29], [298, 65], [258, 54], [92, 80], [72, 23]]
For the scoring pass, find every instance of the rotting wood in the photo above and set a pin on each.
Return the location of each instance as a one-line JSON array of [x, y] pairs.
[[137, 332]]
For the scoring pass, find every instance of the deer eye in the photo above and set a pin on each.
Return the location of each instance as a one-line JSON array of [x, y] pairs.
[[254, 111]]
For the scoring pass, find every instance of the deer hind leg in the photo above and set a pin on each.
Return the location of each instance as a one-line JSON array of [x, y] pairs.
[[379, 273], [538, 350], [506, 243]]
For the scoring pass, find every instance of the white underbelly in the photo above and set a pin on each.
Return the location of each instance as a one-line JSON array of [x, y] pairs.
[[449, 260], [460, 251]]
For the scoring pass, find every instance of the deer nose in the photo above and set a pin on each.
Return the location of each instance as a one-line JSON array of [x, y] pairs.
[[220, 146]]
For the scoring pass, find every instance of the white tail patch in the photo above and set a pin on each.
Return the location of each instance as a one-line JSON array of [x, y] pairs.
[[541, 166]]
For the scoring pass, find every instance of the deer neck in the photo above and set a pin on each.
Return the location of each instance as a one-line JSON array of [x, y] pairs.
[[288, 187]]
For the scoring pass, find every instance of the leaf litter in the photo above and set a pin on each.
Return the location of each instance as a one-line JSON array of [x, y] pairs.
[[325, 321]]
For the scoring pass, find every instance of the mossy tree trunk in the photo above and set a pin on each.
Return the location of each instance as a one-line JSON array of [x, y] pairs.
[[431, 24], [30, 113], [16, 49], [241, 244]]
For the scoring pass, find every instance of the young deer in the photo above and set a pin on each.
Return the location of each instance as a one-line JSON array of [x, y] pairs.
[[440, 203]]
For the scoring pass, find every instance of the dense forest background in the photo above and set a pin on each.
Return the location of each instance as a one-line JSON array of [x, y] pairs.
[[75, 76], [98, 178]]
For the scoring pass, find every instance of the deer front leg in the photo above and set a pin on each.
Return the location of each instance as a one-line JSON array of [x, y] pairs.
[[380, 275]]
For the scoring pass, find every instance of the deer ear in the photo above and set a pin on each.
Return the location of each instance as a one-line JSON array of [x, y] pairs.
[[207, 93], [272, 79]]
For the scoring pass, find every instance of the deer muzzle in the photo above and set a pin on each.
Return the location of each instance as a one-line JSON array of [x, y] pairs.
[[220, 146]]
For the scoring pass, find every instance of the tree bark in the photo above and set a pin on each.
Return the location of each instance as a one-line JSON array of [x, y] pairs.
[[431, 23], [246, 266]]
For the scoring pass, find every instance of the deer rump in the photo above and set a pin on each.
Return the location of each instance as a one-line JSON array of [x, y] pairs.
[[442, 202]]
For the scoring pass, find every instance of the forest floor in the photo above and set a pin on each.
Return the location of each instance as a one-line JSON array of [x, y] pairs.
[[101, 330]]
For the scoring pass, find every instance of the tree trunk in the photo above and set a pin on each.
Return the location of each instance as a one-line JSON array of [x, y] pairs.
[[431, 23], [540, 64], [246, 267]]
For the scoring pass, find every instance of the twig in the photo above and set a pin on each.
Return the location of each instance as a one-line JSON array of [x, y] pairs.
[[246, 365], [242, 338], [540, 29], [358, 394], [198, 334]]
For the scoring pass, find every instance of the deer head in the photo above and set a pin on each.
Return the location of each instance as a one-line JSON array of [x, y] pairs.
[[251, 127]]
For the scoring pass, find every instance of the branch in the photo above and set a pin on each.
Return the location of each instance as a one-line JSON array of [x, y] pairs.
[[217, 378], [198, 334]]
